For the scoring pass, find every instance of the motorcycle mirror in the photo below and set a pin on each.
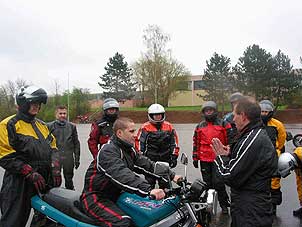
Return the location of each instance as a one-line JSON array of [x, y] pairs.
[[184, 159], [297, 140]]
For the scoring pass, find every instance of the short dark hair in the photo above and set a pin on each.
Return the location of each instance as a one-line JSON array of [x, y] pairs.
[[250, 107], [61, 107], [121, 123]]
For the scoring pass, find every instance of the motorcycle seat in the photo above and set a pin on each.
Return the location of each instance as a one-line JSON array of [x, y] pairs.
[[67, 201]]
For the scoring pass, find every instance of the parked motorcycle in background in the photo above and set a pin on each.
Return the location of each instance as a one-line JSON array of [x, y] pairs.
[[186, 205]]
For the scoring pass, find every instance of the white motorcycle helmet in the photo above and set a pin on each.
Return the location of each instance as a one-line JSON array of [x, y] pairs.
[[286, 163], [156, 109]]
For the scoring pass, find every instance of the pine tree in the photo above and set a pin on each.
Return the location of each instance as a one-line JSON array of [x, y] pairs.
[[117, 81]]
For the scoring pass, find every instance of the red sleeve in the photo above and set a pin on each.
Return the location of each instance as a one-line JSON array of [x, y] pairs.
[[93, 140]]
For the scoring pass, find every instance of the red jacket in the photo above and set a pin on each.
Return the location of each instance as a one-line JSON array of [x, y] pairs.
[[202, 138], [100, 133]]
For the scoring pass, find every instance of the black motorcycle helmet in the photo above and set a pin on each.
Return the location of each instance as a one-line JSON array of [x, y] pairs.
[[108, 104], [30, 94]]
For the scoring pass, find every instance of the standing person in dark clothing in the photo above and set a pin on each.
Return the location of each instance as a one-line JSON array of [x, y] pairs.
[[101, 130], [277, 133], [205, 131], [68, 144], [234, 98], [157, 139], [29, 156], [253, 161], [113, 173]]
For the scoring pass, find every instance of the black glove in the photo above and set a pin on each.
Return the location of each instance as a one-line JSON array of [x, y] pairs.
[[195, 163], [76, 164], [37, 180], [173, 161], [56, 173], [298, 213]]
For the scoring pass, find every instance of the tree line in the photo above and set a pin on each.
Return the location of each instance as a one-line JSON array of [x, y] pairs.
[[77, 100], [157, 75]]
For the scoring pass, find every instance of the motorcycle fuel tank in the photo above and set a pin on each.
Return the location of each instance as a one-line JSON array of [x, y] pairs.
[[144, 211]]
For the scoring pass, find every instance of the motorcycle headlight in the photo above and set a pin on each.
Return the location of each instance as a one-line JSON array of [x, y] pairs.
[[198, 187]]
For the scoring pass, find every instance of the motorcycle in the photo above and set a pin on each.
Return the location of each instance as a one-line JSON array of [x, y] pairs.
[[187, 204]]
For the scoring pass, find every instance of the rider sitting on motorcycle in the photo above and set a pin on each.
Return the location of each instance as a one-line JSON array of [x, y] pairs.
[[114, 172], [293, 161]]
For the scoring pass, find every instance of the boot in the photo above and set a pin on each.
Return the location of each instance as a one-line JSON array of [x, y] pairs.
[[298, 213], [224, 210]]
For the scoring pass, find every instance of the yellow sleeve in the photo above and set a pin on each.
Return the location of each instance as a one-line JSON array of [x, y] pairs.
[[281, 139], [298, 152]]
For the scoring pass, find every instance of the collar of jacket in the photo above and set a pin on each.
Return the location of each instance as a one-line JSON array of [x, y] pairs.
[[61, 123], [25, 117], [250, 126], [121, 143]]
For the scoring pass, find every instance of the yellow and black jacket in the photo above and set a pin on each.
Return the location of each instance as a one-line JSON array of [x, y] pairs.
[[20, 145]]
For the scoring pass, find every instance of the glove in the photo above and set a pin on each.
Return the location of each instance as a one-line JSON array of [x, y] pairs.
[[56, 173], [37, 180], [76, 164], [298, 213], [173, 161], [195, 163]]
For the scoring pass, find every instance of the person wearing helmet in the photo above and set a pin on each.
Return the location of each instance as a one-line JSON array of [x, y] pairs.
[[68, 144], [101, 130], [158, 140], [211, 127], [234, 98], [29, 155], [277, 133], [288, 162], [251, 163]]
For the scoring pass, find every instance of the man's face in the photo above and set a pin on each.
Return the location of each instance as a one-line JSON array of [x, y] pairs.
[[208, 111], [111, 111], [264, 113], [240, 120], [127, 134], [61, 114], [157, 117], [34, 108]]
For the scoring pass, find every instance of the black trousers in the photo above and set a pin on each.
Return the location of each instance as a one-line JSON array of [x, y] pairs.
[[210, 177], [15, 201], [105, 211], [67, 162]]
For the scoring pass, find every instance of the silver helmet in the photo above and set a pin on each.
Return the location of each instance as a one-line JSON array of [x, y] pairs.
[[286, 163], [110, 103], [235, 97], [209, 104], [266, 105]]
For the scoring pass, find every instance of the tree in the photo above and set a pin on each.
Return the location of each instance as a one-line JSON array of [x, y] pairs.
[[218, 79], [285, 81], [253, 72], [118, 79], [157, 73]]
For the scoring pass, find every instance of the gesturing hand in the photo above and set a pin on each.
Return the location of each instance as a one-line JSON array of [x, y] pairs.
[[219, 148]]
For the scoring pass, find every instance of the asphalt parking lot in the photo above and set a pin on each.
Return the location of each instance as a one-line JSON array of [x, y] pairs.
[[284, 216]]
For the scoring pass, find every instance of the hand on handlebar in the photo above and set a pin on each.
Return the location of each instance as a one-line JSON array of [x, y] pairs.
[[178, 179], [157, 193]]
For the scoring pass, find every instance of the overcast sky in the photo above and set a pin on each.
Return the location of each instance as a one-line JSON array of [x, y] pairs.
[[43, 41]]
